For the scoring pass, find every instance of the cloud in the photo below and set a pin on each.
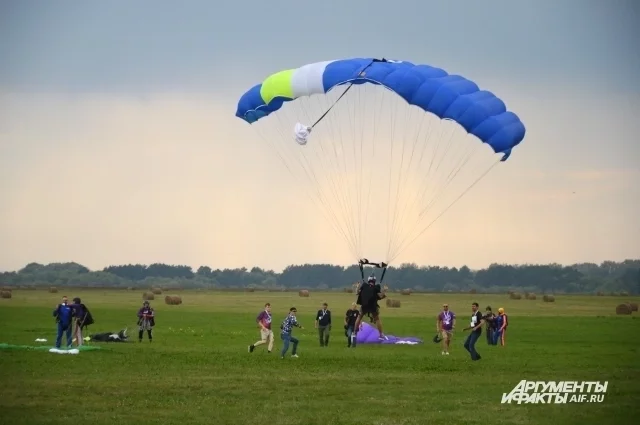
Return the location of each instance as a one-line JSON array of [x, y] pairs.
[[104, 179]]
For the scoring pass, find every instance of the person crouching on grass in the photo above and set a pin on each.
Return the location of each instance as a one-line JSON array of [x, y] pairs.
[[287, 327], [266, 334]]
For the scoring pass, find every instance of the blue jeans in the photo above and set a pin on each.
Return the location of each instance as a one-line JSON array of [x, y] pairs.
[[288, 338], [490, 336], [470, 345], [61, 329], [351, 337], [497, 335]]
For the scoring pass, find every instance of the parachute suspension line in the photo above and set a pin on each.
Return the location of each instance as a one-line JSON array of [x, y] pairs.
[[311, 175], [405, 246], [401, 183], [402, 215], [320, 203]]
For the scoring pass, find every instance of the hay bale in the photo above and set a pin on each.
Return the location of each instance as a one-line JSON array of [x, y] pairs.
[[549, 298], [623, 309], [634, 306], [156, 291], [148, 296], [6, 288], [510, 292], [600, 294], [53, 290], [405, 292], [172, 300], [5, 294], [473, 291], [515, 296], [393, 303], [303, 293], [531, 296]]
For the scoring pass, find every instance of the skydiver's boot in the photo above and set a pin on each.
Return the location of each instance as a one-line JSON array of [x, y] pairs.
[[150, 335], [140, 333]]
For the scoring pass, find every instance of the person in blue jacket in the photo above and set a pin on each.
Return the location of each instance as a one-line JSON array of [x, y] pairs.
[[64, 318]]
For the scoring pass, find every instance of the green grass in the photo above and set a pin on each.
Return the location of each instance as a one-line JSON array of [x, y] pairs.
[[198, 371]]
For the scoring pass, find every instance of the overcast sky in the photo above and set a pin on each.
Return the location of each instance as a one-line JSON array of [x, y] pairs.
[[119, 144]]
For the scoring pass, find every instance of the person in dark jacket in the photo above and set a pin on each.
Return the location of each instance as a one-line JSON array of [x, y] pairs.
[[64, 318], [83, 319], [350, 324], [146, 321], [323, 325], [490, 328]]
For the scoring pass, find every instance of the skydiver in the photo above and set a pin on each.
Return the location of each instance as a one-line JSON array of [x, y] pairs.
[[369, 293]]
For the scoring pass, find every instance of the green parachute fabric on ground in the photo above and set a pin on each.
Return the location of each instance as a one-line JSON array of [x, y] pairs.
[[4, 346]]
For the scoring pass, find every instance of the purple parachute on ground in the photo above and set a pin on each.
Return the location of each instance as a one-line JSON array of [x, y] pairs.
[[369, 335]]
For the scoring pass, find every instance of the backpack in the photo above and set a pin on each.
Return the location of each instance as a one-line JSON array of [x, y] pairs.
[[88, 318]]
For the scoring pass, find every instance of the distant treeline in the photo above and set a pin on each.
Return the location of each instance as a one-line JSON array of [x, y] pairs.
[[608, 277]]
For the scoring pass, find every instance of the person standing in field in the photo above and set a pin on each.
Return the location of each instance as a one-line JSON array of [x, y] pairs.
[[266, 334], [146, 321], [64, 318], [476, 331], [490, 329], [323, 324], [286, 329], [501, 327], [445, 324], [350, 324], [83, 318]]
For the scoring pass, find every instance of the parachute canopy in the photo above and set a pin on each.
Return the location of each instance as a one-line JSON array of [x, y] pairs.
[[452, 97], [398, 138], [370, 335]]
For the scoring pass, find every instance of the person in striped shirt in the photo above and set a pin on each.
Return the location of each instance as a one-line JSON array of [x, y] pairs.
[[286, 328]]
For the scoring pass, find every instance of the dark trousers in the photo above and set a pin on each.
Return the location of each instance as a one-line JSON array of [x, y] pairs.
[[470, 345], [490, 336], [323, 335], [61, 329], [288, 338]]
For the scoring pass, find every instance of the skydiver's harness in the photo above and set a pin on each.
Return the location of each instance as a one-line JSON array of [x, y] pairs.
[[364, 262]]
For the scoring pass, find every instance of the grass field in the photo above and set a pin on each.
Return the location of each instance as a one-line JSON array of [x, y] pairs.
[[198, 370]]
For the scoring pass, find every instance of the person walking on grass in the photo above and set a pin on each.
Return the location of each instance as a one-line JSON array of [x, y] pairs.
[[286, 329], [476, 330], [350, 325], [323, 324], [266, 334], [445, 324], [64, 318]]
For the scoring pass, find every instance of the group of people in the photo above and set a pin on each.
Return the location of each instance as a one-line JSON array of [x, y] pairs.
[[368, 293], [495, 328], [73, 318]]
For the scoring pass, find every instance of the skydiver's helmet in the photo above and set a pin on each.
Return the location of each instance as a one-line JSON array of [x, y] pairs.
[[371, 280], [145, 303]]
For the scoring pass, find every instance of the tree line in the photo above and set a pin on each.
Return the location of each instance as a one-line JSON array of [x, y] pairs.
[[607, 277]]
